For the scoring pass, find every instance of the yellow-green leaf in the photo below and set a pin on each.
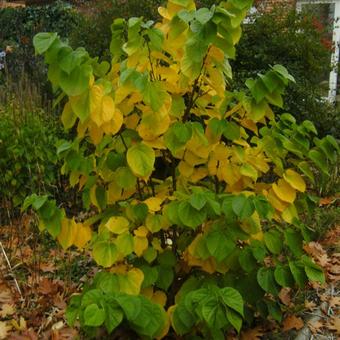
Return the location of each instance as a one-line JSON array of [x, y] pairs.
[[295, 180], [117, 224], [141, 159]]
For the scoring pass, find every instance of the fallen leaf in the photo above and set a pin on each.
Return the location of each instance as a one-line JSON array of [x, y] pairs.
[[291, 322], [315, 326], [310, 305], [21, 326], [252, 334], [59, 301], [284, 296], [6, 296], [4, 329], [47, 267], [327, 201], [334, 301], [7, 310], [334, 324]]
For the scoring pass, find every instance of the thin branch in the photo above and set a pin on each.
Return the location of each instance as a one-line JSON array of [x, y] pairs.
[[11, 270]]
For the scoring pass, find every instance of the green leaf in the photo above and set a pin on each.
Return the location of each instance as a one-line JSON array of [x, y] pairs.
[[141, 159], [81, 106], [131, 305], [114, 316], [124, 243], [298, 272], [189, 216], [283, 276], [94, 316], [154, 95], [219, 245], [77, 82], [243, 206], [294, 241], [43, 41], [319, 160], [150, 320], [108, 283], [156, 38], [125, 178], [231, 131], [213, 313], [232, 298], [150, 275], [105, 253], [203, 15], [313, 271], [234, 319], [273, 241], [167, 259], [198, 200], [165, 277], [274, 310], [265, 278], [101, 197], [177, 136], [182, 320], [247, 260], [93, 296]]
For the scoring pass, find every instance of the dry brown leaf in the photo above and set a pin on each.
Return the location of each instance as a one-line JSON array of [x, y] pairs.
[[46, 286], [252, 334], [285, 297], [59, 301], [5, 328], [327, 201], [7, 310], [310, 305], [291, 322], [6, 296], [315, 325], [334, 301], [334, 324], [47, 267]]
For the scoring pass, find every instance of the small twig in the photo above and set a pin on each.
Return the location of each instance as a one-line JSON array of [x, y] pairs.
[[10, 269]]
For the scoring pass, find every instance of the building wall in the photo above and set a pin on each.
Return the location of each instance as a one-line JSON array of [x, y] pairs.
[[268, 5]]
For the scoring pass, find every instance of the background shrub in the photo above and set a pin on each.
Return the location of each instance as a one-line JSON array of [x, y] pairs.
[[293, 40], [17, 28]]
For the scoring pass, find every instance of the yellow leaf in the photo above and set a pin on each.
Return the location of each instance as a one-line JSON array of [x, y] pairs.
[[131, 283], [68, 118], [140, 244], [117, 224], [141, 231], [96, 134], [67, 233], [114, 193], [289, 214], [131, 121], [284, 191], [108, 108], [83, 235], [295, 180], [5, 328], [153, 203], [114, 125], [185, 169], [147, 292], [159, 297], [199, 173], [96, 96], [275, 201]]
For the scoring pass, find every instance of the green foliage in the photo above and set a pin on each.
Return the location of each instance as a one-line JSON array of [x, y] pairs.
[[292, 40], [196, 190], [28, 161]]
